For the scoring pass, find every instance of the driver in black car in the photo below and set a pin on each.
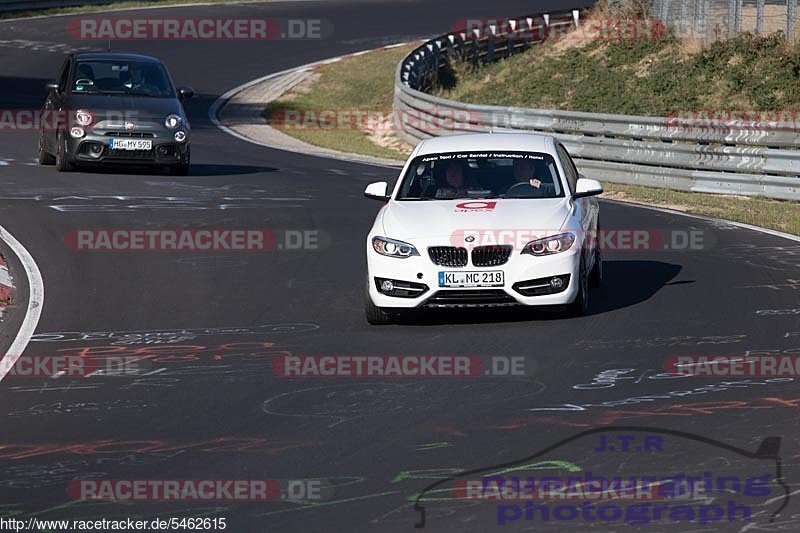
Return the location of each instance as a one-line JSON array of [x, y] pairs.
[[143, 78], [136, 78]]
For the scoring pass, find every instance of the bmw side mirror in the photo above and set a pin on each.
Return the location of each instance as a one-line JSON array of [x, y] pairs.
[[587, 187], [377, 191], [53, 86], [185, 93]]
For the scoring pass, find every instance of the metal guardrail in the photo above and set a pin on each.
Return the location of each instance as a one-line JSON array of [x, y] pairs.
[[29, 5], [703, 155]]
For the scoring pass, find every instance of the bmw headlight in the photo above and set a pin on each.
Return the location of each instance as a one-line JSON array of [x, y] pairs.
[[550, 245], [173, 121], [393, 248]]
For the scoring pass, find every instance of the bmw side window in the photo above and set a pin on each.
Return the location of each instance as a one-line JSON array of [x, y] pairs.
[[569, 167], [419, 180]]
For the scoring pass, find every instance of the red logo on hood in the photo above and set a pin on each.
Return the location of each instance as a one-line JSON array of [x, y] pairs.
[[478, 205]]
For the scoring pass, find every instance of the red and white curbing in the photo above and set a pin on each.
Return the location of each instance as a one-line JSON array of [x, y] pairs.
[[6, 287]]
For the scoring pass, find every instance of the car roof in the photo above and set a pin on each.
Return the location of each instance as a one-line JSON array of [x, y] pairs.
[[524, 142], [115, 56]]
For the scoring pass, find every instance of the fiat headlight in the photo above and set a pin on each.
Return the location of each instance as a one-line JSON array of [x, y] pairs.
[[173, 121]]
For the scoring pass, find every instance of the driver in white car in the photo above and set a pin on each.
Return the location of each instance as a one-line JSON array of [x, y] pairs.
[[525, 172], [534, 180]]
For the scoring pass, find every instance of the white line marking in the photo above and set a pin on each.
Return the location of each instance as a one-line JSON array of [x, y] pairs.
[[742, 225], [35, 301]]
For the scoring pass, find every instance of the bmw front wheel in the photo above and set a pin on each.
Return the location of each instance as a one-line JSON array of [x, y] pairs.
[[377, 316]]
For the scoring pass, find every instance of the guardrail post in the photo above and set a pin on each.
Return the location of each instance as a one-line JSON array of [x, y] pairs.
[[731, 18], [760, 17], [546, 33], [436, 57], [451, 47], [524, 34], [684, 18], [791, 15], [490, 43], [475, 47], [429, 68], [513, 27]]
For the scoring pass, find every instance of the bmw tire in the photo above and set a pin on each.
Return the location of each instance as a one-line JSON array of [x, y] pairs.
[[377, 316]]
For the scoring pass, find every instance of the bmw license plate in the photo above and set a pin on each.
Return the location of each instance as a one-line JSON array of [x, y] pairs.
[[493, 278], [130, 144]]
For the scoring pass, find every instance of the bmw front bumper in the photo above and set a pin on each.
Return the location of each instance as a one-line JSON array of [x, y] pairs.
[[528, 280]]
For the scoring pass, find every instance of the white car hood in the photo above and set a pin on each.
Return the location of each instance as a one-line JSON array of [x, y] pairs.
[[442, 218]]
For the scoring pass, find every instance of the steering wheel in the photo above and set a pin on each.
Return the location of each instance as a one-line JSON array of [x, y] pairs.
[[517, 189]]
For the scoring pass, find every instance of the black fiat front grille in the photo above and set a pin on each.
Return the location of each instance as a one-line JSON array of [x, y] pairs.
[[134, 134], [130, 154], [448, 256], [490, 256]]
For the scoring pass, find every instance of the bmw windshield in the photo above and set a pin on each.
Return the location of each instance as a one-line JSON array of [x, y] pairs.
[[470, 175], [128, 78]]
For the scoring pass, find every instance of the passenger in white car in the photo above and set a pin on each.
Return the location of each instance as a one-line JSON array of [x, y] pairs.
[[455, 181]]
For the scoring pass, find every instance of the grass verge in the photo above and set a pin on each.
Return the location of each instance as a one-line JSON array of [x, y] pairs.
[[357, 84], [773, 214], [366, 83], [658, 77]]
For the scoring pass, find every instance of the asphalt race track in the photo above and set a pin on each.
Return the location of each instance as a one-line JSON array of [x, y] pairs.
[[211, 407]]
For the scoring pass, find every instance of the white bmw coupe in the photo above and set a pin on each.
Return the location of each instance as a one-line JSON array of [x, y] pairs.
[[484, 220]]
